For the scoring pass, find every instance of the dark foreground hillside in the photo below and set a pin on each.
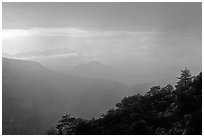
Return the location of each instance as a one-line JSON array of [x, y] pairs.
[[162, 110]]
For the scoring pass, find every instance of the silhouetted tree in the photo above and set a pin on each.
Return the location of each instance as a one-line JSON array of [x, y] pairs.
[[161, 111], [184, 80]]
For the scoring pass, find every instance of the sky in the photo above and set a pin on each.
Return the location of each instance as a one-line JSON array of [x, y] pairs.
[[151, 39]]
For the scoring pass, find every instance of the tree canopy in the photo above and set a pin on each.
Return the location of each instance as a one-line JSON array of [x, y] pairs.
[[161, 111]]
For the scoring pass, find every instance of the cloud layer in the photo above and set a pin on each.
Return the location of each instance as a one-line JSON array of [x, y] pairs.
[[143, 39]]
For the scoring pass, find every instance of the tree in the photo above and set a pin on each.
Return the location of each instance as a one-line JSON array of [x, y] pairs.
[[184, 80], [162, 110], [67, 125]]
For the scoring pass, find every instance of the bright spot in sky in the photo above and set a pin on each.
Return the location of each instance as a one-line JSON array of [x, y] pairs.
[[11, 33]]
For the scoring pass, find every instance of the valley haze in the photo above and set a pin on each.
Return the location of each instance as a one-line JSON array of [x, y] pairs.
[[82, 58]]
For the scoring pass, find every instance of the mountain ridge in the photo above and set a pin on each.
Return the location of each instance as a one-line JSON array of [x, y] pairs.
[[95, 69], [30, 90]]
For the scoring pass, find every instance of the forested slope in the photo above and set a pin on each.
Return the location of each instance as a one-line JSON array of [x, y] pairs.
[[162, 110]]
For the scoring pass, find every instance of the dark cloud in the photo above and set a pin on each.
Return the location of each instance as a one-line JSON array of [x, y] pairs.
[[176, 17]]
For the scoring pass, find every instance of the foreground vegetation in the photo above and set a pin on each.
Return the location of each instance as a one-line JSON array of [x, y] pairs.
[[162, 110]]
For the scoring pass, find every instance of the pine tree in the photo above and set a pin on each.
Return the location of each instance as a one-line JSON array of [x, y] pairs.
[[184, 80]]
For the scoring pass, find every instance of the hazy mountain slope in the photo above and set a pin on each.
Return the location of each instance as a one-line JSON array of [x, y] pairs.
[[34, 97], [96, 69], [27, 98]]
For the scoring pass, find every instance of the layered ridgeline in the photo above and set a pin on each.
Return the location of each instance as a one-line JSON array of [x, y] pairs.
[[35, 97], [96, 69]]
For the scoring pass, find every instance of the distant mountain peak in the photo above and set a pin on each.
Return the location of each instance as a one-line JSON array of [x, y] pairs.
[[94, 66], [95, 63], [95, 69]]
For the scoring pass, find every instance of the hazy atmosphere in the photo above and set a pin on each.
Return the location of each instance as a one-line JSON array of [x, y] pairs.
[[141, 39], [96, 51]]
